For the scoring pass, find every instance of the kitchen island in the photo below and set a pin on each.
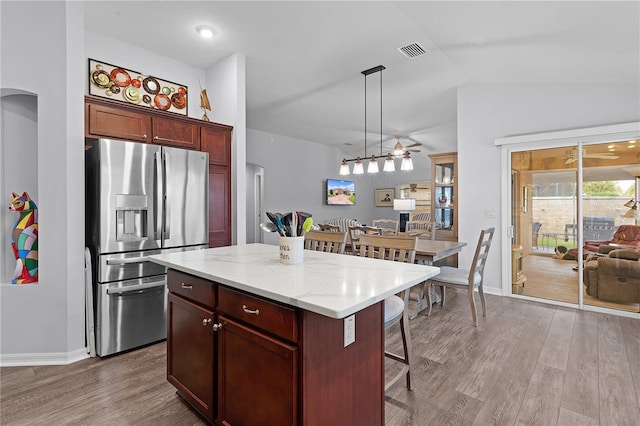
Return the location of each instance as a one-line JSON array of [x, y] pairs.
[[254, 341]]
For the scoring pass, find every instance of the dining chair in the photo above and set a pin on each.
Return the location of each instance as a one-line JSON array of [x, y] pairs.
[[398, 249], [468, 279], [354, 237], [387, 226], [329, 242], [328, 227], [421, 229]]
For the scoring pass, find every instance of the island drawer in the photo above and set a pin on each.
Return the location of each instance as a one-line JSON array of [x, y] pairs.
[[191, 287], [272, 317]]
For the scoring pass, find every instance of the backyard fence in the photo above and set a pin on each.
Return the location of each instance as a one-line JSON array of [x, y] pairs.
[[558, 214]]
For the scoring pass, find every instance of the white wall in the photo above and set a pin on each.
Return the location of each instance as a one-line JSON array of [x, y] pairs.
[[487, 112], [226, 89], [115, 52], [45, 320], [19, 139], [295, 174]]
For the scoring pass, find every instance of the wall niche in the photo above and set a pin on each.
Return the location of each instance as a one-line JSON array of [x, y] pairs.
[[18, 165]]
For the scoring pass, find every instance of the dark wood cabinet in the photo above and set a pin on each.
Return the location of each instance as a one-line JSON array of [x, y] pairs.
[[106, 121], [254, 370], [217, 143], [270, 363], [190, 353], [105, 118], [219, 213], [172, 132]]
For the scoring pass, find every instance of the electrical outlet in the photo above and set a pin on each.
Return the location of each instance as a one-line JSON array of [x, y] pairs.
[[349, 330]]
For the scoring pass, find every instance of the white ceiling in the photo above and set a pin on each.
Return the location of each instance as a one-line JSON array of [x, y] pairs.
[[304, 59]]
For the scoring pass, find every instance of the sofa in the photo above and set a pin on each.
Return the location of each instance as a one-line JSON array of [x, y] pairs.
[[625, 235], [614, 277]]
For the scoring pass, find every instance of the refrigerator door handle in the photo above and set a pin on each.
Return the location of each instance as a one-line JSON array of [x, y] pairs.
[[128, 261], [137, 288], [157, 196], [166, 217]]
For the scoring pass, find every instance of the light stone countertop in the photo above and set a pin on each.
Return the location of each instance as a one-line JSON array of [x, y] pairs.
[[334, 285]]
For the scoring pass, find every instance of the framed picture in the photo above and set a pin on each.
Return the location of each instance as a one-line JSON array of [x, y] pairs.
[[384, 197], [125, 85]]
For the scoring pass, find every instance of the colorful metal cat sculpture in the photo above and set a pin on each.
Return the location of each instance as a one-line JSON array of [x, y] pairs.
[[24, 239]]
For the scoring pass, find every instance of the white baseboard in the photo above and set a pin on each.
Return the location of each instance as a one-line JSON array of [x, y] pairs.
[[56, 358], [493, 290]]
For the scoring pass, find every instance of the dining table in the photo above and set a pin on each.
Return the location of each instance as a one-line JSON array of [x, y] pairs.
[[436, 253]]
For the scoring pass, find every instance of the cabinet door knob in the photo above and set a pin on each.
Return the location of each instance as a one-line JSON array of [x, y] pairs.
[[250, 311], [206, 321], [217, 327], [156, 137], [144, 136]]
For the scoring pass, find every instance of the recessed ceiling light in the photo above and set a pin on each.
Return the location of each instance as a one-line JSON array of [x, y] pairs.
[[205, 31]]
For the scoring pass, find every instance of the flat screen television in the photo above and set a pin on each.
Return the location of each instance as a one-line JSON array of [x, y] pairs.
[[341, 192]]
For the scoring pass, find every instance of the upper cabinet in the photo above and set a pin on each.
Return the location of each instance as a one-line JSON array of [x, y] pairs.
[[172, 132], [105, 121], [444, 202], [217, 142], [113, 120]]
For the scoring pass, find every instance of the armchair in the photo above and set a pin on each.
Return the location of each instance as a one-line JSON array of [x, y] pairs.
[[615, 277]]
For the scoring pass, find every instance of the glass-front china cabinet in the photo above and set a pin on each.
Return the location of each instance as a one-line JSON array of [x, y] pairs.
[[444, 201]]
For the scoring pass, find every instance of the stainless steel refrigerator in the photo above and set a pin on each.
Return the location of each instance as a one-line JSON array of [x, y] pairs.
[[141, 199]]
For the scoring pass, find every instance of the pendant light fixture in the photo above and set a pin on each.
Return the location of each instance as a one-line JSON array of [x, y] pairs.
[[372, 167], [407, 162], [389, 164]]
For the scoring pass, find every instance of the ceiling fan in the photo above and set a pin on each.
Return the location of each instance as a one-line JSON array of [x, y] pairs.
[[398, 149], [572, 155]]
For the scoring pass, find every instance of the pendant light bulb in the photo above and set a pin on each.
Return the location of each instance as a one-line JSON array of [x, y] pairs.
[[358, 169], [373, 165], [407, 162], [389, 165], [398, 149], [344, 168]]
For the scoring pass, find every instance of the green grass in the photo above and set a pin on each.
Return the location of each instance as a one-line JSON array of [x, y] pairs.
[[550, 242]]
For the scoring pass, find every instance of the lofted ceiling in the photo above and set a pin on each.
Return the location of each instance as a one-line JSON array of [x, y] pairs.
[[304, 59]]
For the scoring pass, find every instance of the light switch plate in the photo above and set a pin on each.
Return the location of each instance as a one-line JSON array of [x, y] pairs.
[[490, 213], [349, 330]]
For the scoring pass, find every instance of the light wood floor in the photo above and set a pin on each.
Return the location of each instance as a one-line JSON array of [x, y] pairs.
[[554, 279], [526, 363]]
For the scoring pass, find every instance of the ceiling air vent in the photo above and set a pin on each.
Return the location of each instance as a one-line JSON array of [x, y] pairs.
[[412, 50]]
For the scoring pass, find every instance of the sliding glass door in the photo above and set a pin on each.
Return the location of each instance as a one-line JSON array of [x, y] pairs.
[[563, 199], [545, 209]]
